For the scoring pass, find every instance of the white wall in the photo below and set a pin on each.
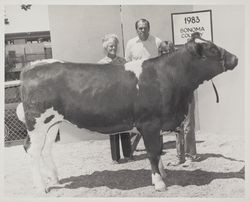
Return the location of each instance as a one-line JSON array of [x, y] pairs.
[[77, 31], [227, 116], [34, 19], [159, 17]]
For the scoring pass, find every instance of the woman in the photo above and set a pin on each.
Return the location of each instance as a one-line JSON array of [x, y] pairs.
[[110, 44]]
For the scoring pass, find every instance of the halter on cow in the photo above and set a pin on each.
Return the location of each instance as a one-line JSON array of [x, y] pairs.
[[110, 99]]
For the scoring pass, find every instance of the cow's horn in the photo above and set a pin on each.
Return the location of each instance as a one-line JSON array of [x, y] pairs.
[[195, 35]]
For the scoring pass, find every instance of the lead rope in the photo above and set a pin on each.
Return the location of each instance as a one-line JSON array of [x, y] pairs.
[[216, 92]]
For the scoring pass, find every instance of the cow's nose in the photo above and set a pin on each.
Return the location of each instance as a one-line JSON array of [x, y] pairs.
[[235, 61], [232, 62]]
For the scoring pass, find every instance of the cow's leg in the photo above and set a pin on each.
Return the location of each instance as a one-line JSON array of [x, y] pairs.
[[161, 169], [42, 129], [47, 154], [35, 151], [150, 131]]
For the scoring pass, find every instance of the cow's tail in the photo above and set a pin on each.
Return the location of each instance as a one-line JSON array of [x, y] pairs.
[[20, 112], [21, 117]]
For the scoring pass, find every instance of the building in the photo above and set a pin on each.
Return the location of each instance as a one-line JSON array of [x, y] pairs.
[[24, 47]]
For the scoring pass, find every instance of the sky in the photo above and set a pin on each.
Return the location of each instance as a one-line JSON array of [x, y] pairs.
[[34, 19]]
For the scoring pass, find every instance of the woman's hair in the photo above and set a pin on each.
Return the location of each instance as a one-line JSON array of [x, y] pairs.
[[109, 37]]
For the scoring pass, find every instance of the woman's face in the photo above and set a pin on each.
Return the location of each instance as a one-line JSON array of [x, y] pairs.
[[111, 47]]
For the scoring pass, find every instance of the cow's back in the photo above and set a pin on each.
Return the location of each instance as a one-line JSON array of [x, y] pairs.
[[98, 97]]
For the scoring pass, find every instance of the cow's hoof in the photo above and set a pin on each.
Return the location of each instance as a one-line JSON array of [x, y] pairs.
[[160, 186], [46, 190], [41, 190], [158, 182], [54, 181]]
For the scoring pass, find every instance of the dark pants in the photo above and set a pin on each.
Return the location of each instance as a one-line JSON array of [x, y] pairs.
[[185, 138], [115, 146]]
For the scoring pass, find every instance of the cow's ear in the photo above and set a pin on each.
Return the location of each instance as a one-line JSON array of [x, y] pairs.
[[195, 49]]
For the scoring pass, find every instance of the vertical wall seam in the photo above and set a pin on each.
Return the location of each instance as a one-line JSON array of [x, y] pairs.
[[123, 45]]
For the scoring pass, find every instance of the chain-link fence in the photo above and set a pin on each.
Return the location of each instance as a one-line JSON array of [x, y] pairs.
[[15, 130]]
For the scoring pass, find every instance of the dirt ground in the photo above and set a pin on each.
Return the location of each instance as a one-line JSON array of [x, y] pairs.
[[85, 170]]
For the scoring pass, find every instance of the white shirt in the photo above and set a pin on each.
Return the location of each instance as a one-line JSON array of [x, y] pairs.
[[137, 49], [117, 60]]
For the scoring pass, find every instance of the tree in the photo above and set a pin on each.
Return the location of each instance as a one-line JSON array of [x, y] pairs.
[[23, 6], [6, 21]]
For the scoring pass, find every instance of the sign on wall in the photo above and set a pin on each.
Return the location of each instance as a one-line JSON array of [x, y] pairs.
[[184, 24]]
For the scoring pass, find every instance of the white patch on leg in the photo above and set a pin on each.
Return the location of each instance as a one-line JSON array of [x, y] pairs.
[[20, 112], [161, 168], [48, 161], [35, 150], [134, 66], [158, 182]]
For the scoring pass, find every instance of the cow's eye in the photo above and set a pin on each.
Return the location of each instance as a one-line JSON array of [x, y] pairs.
[[213, 51]]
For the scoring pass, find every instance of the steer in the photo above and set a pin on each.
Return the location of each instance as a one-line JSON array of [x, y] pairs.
[[150, 95]]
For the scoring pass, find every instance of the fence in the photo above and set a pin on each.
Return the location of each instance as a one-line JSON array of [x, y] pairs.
[[15, 62], [14, 129], [23, 59]]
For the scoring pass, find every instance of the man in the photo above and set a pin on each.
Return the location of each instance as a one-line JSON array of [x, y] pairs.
[[185, 138], [143, 46]]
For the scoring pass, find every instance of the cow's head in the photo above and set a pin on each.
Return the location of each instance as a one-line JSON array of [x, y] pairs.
[[208, 60]]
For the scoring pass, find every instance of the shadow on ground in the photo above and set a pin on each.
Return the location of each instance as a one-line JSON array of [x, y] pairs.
[[172, 144], [132, 179], [211, 155]]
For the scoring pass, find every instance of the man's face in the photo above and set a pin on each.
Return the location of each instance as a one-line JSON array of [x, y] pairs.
[[143, 30]]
